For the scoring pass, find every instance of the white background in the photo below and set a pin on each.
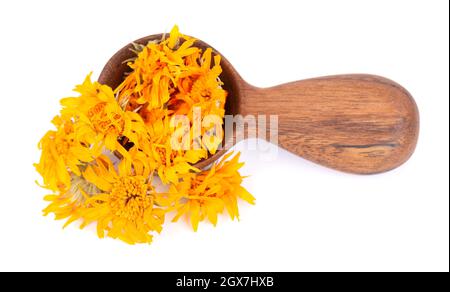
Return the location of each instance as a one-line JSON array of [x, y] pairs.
[[307, 217]]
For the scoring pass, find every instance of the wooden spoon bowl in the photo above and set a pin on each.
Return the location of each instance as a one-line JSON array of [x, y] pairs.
[[355, 123]]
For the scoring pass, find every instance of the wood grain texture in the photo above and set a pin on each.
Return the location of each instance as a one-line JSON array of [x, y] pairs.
[[355, 123]]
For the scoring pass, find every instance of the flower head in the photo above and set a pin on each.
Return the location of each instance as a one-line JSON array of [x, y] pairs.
[[68, 204], [156, 70], [204, 195], [99, 120], [173, 77], [62, 154], [172, 82], [125, 208]]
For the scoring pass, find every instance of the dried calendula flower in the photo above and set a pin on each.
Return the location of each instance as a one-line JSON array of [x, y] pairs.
[[62, 154], [68, 204], [204, 195], [174, 77], [109, 144], [125, 206], [156, 71], [99, 120]]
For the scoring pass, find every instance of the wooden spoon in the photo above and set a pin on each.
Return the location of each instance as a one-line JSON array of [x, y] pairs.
[[354, 123]]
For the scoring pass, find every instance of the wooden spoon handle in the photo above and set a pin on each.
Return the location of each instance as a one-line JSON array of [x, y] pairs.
[[355, 123]]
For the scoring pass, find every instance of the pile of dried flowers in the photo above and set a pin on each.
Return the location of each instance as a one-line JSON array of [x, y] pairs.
[[109, 145]]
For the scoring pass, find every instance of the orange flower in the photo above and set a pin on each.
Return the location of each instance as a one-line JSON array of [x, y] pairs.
[[204, 195], [62, 154], [99, 120], [155, 71], [125, 208], [169, 79], [69, 204], [173, 77]]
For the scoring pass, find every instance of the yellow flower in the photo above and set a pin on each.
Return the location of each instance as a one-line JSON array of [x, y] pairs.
[[168, 161], [172, 77], [99, 120], [204, 94], [62, 153], [164, 117], [126, 207], [68, 204], [155, 71], [206, 194], [171, 164], [204, 88]]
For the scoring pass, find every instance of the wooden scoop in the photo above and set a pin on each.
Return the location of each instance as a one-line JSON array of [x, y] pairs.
[[354, 123]]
